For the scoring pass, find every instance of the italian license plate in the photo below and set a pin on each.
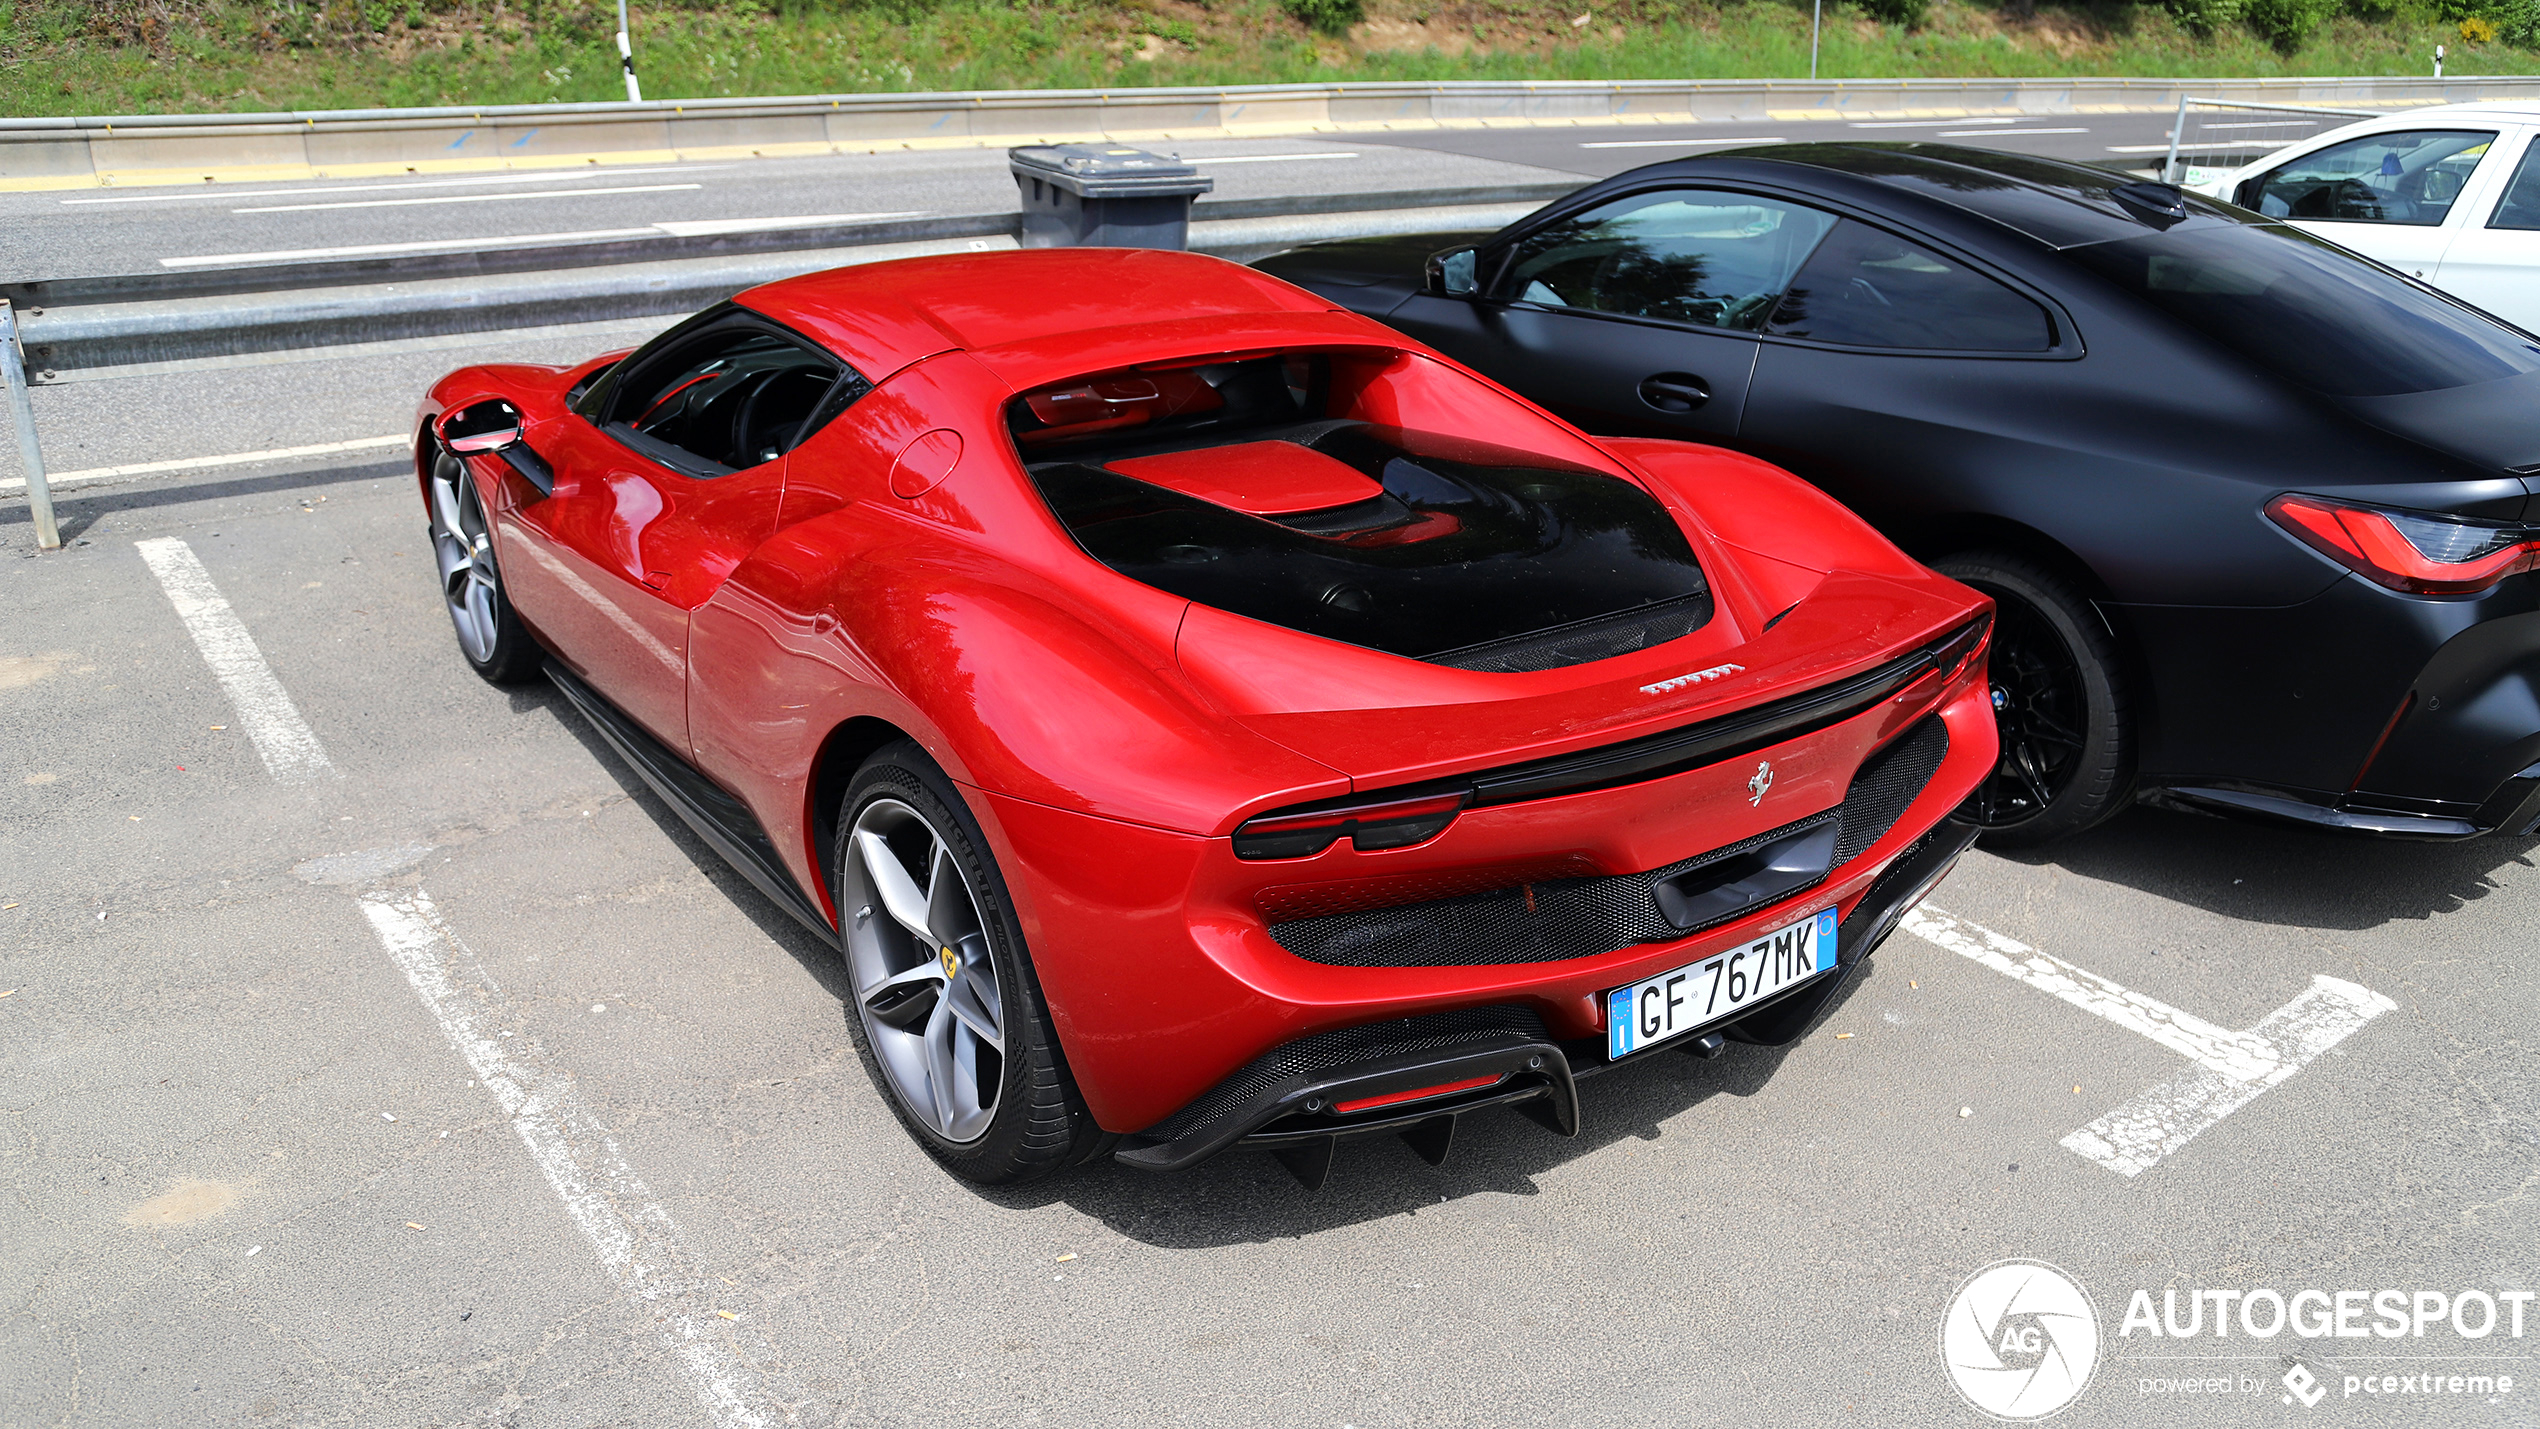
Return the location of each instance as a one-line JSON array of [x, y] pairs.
[[1720, 986]]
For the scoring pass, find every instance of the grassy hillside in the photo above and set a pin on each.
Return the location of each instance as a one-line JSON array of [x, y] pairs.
[[157, 56]]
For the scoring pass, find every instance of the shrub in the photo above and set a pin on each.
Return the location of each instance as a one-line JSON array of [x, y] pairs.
[[1909, 13], [2287, 23], [2477, 30], [2203, 17], [1332, 17]]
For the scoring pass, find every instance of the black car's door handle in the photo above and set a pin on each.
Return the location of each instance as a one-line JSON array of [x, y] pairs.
[[1675, 392]]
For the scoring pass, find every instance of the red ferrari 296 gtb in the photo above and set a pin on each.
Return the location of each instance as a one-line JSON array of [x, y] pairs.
[[1200, 715]]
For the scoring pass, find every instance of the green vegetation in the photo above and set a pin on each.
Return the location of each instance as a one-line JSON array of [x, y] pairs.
[[157, 56]]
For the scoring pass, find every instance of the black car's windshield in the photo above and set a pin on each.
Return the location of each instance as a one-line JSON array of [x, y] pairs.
[[2312, 311]]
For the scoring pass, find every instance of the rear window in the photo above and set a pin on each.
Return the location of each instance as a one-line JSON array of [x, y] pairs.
[[2312, 311], [1262, 488]]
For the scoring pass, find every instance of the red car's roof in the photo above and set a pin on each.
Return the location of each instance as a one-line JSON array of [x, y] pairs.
[[883, 316]]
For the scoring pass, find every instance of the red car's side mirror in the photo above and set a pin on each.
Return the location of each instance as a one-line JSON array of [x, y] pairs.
[[481, 442], [481, 429], [494, 428]]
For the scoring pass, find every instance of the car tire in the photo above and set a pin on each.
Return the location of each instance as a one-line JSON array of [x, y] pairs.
[[2059, 694], [993, 1109], [491, 638]]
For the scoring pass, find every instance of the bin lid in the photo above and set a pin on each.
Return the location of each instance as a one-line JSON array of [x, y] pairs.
[[1107, 170]]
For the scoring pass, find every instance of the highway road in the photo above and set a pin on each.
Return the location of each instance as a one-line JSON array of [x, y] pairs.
[[88, 232]]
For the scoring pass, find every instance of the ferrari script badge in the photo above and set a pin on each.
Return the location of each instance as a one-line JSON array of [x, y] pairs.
[[1762, 781], [1695, 677]]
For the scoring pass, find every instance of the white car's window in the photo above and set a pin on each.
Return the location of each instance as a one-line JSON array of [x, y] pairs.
[[1683, 255], [2520, 207], [2410, 176]]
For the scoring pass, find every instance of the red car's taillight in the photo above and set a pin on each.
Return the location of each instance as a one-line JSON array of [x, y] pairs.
[[2420, 552], [1371, 825]]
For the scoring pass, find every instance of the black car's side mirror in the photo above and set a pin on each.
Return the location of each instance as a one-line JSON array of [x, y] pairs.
[[1450, 274]]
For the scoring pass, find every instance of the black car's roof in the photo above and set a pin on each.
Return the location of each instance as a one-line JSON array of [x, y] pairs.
[[2057, 203]]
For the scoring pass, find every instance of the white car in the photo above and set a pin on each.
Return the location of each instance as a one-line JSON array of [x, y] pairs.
[[2449, 194]]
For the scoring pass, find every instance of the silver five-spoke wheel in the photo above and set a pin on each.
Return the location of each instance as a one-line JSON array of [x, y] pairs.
[[462, 547], [926, 981]]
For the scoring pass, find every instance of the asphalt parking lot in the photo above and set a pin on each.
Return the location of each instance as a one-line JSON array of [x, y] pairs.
[[373, 1046]]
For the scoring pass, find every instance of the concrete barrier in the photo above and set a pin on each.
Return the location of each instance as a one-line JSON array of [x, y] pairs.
[[157, 149]]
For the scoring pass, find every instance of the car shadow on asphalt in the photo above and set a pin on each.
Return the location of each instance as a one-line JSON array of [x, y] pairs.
[[1243, 1195], [76, 515], [817, 957], [2286, 875]]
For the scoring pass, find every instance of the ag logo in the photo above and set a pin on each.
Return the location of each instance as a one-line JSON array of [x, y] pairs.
[[2020, 1340]]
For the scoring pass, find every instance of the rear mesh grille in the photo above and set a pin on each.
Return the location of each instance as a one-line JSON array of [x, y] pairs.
[[1308, 1057], [1577, 644], [1886, 783], [1562, 919]]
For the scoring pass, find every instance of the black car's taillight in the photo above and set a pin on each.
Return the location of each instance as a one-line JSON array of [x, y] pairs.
[[2420, 552], [1369, 824]]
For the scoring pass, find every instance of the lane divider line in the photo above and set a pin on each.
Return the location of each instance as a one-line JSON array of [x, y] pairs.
[[2231, 1068], [288, 746], [200, 463], [637, 1243], [543, 176], [465, 198]]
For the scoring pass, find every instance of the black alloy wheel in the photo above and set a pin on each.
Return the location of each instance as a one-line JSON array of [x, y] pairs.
[[496, 644], [2059, 701]]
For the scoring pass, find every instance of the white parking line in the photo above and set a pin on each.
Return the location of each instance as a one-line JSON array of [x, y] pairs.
[[288, 746], [2232, 1068], [2133, 1138], [634, 1236], [466, 198]]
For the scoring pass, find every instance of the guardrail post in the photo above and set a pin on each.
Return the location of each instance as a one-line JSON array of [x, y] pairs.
[[2178, 131], [39, 496]]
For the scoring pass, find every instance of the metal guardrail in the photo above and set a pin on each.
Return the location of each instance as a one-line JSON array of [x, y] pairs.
[[2178, 127], [77, 327], [84, 326]]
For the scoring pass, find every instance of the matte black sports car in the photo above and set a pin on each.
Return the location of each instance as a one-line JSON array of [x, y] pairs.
[[2258, 512]]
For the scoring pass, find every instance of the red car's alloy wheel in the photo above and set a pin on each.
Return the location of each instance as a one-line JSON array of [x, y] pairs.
[[496, 644], [462, 547], [927, 987]]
